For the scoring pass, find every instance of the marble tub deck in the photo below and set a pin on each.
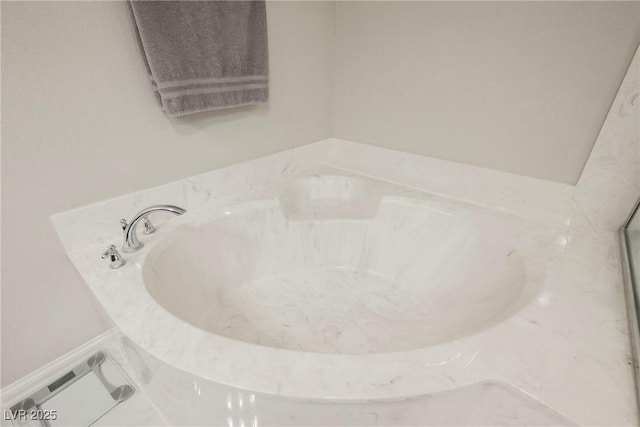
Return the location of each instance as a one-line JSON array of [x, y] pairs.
[[568, 347]]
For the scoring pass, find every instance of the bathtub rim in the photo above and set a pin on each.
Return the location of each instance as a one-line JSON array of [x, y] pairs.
[[524, 297], [284, 372]]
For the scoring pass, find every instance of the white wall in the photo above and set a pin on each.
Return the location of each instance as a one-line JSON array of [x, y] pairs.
[[521, 87], [80, 124]]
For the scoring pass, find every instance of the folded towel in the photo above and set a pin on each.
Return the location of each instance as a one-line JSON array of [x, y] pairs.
[[204, 55]]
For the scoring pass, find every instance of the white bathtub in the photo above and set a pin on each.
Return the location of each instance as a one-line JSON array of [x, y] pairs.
[[334, 266], [326, 287]]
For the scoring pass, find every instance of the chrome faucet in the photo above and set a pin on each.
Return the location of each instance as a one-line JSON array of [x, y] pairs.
[[131, 242], [116, 260]]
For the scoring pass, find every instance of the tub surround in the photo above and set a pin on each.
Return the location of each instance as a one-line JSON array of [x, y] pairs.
[[516, 350], [567, 345], [306, 374]]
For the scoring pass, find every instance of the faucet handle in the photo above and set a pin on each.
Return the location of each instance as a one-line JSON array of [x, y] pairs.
[[116, 260], [148, 226]]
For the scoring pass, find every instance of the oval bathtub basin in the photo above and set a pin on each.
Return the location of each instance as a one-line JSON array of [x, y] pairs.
[[417, 274]]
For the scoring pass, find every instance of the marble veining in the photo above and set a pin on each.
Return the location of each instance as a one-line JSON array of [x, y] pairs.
[[524, 274], [613, 168]]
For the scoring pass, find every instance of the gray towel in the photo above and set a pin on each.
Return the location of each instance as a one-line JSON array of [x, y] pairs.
[[204, 55]]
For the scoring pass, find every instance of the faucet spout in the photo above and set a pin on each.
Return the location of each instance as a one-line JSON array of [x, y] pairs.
[[131, 242]]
